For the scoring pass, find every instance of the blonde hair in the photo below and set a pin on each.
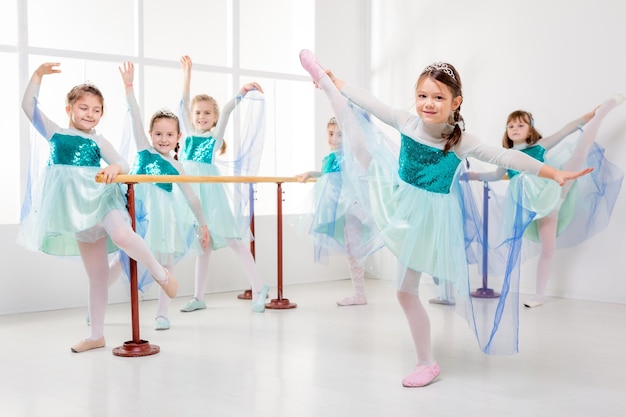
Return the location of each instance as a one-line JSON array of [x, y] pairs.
[[79, 91], [216, 109]]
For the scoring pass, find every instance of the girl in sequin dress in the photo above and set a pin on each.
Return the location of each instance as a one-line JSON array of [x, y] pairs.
[[72, 214], [205, 139], [169, 232], [583, 206], [415, 195], [340, 223]]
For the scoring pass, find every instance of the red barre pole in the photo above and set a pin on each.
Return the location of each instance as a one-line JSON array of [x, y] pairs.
[[280, 302], [135, 347], [247, 294]]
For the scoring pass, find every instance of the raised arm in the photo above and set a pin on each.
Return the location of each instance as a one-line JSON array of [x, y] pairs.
[[470, 146], [186, 63], [554, 139], [127, 71], [44, 126], [193, 201], [220, 128], [371, 104], [309, 174]]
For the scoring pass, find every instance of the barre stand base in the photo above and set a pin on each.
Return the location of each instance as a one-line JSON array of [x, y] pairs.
[[280, 304], [134, 349], [485, 293]]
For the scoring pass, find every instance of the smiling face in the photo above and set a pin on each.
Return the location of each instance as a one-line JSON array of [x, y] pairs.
[[434, 101], [204, 115], [85, 112], [165, 134]]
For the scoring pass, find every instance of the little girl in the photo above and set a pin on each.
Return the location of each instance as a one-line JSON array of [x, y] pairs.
[[202, 119], [555, 209], [72, 214], [416, 201], [168, 231], [340, 224]]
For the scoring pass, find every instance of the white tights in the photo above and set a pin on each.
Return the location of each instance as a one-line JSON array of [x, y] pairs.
[[352, 237], [346, 119], [416, 315], [95, 260], [245, 257], [547, 226]]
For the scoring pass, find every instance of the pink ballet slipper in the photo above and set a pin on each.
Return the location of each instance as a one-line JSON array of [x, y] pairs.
[[88, 344], [421, 376], [310, 64]]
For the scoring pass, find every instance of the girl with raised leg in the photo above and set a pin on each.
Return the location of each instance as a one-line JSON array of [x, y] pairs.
[[420, 215], [72, 214]]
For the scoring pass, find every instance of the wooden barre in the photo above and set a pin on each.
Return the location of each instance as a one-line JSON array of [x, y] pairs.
[[127, 178]]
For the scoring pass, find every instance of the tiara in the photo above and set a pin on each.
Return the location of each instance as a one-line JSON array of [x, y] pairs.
[[164, 112], [440, 66]]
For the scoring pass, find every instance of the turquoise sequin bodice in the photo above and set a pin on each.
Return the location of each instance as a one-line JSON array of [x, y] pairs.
[[535, 151], [148, 163], [331, 162], [198, 149], [73, 150], [426, 167]]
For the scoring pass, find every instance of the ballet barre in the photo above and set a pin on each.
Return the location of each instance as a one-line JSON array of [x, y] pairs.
[[139, 347]]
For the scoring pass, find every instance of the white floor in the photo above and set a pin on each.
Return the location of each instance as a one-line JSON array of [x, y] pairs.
[[312, 361]]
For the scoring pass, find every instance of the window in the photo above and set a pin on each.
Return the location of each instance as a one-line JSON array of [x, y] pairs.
[[230, 41]]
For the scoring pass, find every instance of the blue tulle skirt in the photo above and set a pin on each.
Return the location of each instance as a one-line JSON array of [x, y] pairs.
[[216, 205], [69, 206]]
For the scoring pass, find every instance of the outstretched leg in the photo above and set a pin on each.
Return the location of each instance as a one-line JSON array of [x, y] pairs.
[[123, 236], [585, 142], [338, 102]]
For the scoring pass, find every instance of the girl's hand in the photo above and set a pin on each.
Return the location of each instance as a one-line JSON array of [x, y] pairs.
[[304, 177], [338, 83], [185, 62], [205, 236], [563, 176], [48, 68], [588, 116], [127, 71], [109, 173], [249, 87]]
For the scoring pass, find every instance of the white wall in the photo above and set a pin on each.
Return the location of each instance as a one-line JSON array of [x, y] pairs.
[[557, 59]]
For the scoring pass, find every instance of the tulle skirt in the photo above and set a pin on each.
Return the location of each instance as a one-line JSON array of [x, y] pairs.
[[68, 207], [216, 205], [341, 224], [169, 231]]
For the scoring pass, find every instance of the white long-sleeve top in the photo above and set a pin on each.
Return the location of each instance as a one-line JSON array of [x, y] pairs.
[[412, 126]]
